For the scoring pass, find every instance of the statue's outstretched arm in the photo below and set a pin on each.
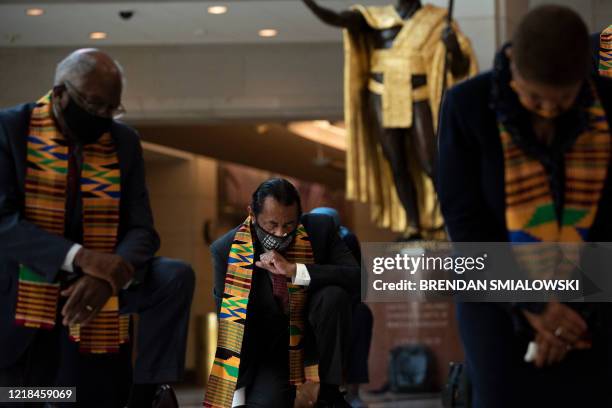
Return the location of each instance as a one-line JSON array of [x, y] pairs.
[[352, 20]]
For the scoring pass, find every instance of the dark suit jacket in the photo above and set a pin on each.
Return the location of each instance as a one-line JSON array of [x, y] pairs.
[[266, 323], [470, 167], [470, 171], [21, 242], [470, 186]]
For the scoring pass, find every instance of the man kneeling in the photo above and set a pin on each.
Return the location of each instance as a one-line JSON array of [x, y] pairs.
[[295, 277]]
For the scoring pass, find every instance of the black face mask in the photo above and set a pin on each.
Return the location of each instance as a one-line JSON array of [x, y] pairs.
[[271, 242], [87, 128]]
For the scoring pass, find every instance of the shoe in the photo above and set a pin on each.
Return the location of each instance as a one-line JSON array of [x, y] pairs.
[[355, 401], [165, 397]]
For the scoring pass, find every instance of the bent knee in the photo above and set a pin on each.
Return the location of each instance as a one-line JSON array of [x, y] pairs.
[[177, 273], [333, 297]]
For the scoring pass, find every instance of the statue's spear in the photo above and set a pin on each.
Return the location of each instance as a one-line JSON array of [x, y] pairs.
[[449, 21]]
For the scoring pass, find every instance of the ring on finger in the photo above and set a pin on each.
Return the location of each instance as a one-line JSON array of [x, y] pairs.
[[89, 308], [559, 331]]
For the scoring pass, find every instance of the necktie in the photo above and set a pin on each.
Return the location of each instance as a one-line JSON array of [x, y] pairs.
[[279, 289]]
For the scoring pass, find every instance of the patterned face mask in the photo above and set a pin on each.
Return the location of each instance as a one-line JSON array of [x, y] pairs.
[[272, 242]]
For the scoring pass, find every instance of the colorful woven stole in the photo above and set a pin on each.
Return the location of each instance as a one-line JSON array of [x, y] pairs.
[[45, 203], [530, 210], [605, 52], [233, 315]]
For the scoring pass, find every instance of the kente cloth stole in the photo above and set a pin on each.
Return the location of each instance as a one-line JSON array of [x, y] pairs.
[[233, 315], [45, 206], [605, 52], [530, 210]]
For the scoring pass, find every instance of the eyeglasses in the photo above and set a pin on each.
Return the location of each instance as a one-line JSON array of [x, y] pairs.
[[102, 110]]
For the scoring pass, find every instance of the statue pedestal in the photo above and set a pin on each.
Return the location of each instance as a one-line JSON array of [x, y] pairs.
[[432, 324]]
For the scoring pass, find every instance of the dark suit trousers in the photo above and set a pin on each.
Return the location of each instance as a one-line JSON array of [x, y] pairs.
[[328, 331], [361, 339], [163, 303]]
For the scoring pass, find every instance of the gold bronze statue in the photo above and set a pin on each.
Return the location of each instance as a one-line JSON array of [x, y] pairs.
[[395, 60]]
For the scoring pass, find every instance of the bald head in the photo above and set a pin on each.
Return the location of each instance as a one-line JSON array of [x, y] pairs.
[[87, 64]]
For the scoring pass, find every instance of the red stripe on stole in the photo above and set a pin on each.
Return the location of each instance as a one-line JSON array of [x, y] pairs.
[[527, 199], [238, 284]]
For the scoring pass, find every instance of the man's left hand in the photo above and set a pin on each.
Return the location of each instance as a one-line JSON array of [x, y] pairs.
[[274, 262], [86, 297]]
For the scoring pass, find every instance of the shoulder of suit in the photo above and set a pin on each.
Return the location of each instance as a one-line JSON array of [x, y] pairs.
[[472, 91], [315, 223], [18, 111], [17, 116], [124, 134], [224, 243]]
